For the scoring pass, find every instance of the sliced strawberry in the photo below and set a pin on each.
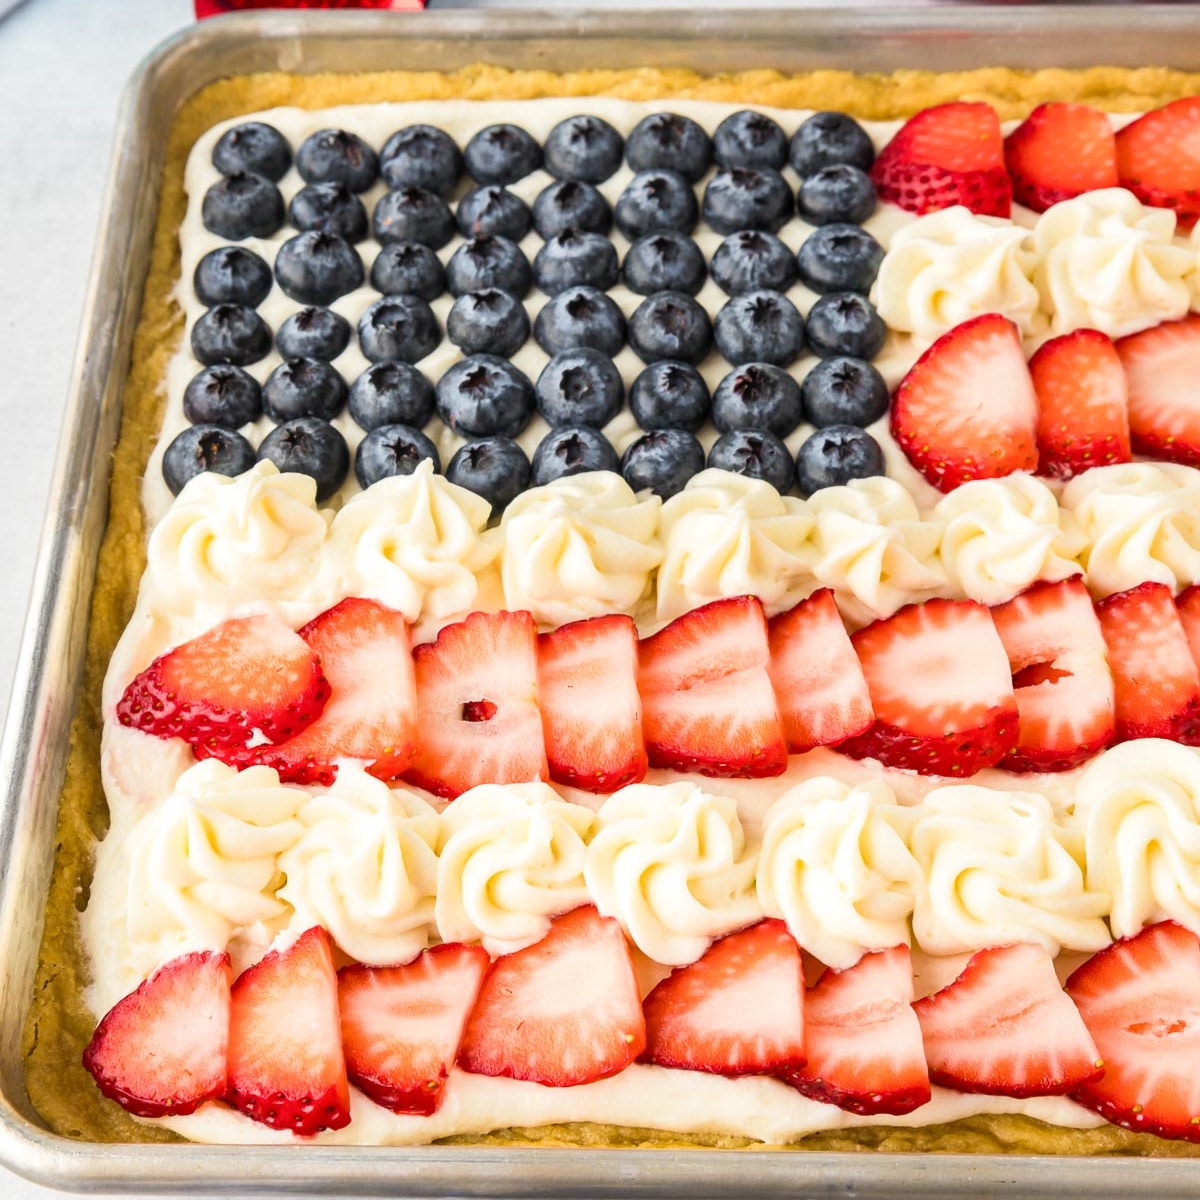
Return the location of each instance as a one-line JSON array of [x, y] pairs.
[[941, 690], [1083, 404], [949, 154], [1158, 158], [477, 710], [1006, 1027], [818, 681], [1188, 605], [1061, 679], [247, 674], [1140, 1000], [161, 1050], [560, 1012], [1162, 366], [591, 710], [967, 409], [737, 1010], [865, 1052], [707, 702], [401, 1026], [286, 1067], [1156, 680], [1060, 151]]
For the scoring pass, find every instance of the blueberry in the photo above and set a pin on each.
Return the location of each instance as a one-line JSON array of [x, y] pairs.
[[836, 193], [337, 156], [662, 461], [223, 395], [303, 387], [747, 198], [753, 259], [569, 204], [488, 322], [653, 200], [750, 139], [845, 323], [760, 326], [502, 154], [579, 387], [392, 450], [391, 393], [317, 268], [309, 446], [756, 454], [402, 327], [584, 148], [839, 258], [580, 316], [570, 451], [669, 395], [571, 258], [331, 208], [670, 325], [231, 333], [827, 138], [489, 262], [421, 155], [495, 468], [202, 448], [413, 214], [669, 140], [253, 146], [664, 262], [232, 275], [836, 455], [484, 395], [843, 391], [313, 333], [757, 396], [408, 267], [242, 205], [494, 210]]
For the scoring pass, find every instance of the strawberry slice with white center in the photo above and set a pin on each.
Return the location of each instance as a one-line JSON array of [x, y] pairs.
[[1060, 151], [1155, 677], [161, 1050], [737, 1010], [967, 409], [401, 1026], [591, 710], [1158, 158], [1083, 404], [941, 690], [707, 701], [1162, 366], [286, 1067], [818, 681], [948, 154], [1063, 686], [561, 1012], [865, 1052], [1140, 1000], [1005, 1027], [477, 708], [246, 675]]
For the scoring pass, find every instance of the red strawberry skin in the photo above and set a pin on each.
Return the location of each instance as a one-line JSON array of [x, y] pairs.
[[737, 1010], [401, 1026], [1162, 366], [1140, 1000], [1187, 603], [967, 408], [561, 1012], [161, 1050], [286, 1067], [1158, 158], [591, 710], [1060, 151]]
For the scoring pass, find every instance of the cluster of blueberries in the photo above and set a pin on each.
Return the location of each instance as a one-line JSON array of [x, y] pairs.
[[484, 397]]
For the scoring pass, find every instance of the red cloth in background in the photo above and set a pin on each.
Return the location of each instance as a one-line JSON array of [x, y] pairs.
[[211, 8]]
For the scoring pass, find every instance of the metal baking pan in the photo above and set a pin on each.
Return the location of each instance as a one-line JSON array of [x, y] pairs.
[[50, 666]]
